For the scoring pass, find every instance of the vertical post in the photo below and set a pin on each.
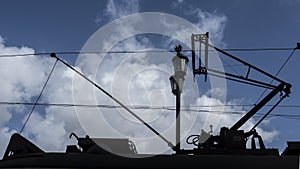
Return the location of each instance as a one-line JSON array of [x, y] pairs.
[[180, 68], [193, 55], [178, 94], [206, 50]]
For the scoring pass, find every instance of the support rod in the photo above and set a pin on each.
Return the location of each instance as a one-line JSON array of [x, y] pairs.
[[244, 79], [264, 101], [277, 103], [116, 100], [206, 50], [247, 64], [178, 121], [241, 81], [194, 55]]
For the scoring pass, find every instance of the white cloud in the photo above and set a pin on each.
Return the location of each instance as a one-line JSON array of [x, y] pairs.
[[116, 9], [22, 80], [48, 131], [133, 78], [137, 79], [5, 136], [119, 70], [20, 77], [211, 22], [177, 3]]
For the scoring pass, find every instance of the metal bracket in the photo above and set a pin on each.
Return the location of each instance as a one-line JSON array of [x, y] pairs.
[[201, 71]]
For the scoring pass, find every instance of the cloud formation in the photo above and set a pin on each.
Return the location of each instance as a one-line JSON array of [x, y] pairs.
[[20, 77], [135, 79], [117, 9], [140, 79], [22, 80]]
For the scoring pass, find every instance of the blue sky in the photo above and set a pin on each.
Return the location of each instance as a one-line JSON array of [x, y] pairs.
[[46, 26]]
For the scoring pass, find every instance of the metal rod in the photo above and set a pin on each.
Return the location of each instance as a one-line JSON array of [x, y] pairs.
[[244, 79], [193, 55], [264, 101], [247, 64], [268, 112], [248, 72], [178, 94], [116, 100], [241, 81], [206, 50]]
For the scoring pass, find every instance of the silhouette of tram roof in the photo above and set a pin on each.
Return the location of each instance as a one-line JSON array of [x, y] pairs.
[[21, 153]]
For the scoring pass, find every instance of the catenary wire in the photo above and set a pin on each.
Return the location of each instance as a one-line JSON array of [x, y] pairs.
[[233, 49], [168, 108], [280, 69], [133, 51], [231, 67], [136, 106]]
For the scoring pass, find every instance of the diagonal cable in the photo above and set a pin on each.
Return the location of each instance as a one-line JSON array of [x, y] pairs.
[[116, 100], [31, 111], [280, 69]]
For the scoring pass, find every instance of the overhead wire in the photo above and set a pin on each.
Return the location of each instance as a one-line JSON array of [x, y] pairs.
[[168, 108], [231, 67], [147, 51], [277, 73], [169, 143], [135, 51], [135, 106], [258, 49]]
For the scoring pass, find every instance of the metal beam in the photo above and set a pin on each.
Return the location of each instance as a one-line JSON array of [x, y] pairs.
[[264, 101]]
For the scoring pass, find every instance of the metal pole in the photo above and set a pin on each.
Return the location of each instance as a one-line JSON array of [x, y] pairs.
[[263, 102], [268, 112], [178, 94]]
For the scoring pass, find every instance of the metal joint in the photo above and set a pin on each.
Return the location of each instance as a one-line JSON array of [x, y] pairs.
[[201, 71]]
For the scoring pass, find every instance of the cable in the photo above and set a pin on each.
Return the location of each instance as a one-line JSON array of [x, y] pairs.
[[231, 67], [115, 100], [145, 51], [280, 69], [136, 106], [137, 52], [264, 116], [285, 62], [228, 65], [193, 139], [77, 53], [257, 49], [31, 111], [153, 107], [168, 108]]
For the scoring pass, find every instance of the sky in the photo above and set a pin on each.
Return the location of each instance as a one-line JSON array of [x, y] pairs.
[[142, 78]]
